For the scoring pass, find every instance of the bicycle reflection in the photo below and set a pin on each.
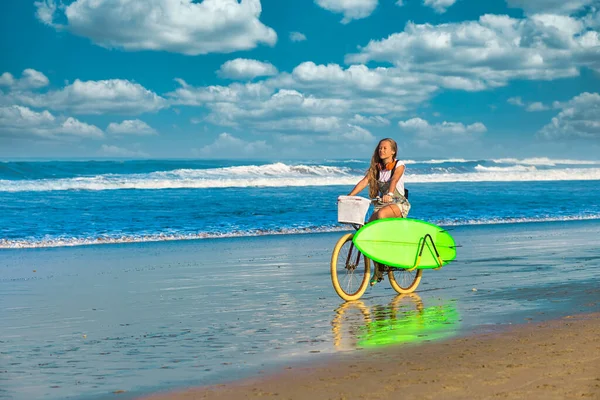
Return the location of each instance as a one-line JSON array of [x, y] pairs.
[[404, 320]]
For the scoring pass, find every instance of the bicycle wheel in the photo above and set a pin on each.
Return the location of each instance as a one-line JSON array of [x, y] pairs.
[[404, 281], [351, 317], [350, 269]]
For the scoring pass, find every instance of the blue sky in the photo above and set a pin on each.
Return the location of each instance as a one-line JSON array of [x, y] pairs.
[[306, 79]]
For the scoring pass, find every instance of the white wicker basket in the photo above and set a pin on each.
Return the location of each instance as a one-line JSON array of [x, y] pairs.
[[352, 209]]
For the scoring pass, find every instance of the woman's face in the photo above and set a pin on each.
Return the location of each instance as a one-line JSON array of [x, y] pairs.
[[385, 150]]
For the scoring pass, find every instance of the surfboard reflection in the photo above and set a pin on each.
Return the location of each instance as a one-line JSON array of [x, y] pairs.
[[404, 320]]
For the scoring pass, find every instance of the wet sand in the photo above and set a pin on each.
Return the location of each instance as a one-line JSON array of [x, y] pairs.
[[131, 320], [558, 359]]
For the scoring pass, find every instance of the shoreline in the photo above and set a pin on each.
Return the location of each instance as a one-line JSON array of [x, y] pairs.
[[333, 229], [555, 359], [137, 319]]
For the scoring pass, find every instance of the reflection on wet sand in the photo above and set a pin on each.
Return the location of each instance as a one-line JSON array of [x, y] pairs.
[[404, 320]]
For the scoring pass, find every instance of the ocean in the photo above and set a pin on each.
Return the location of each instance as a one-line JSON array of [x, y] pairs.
[[103, 293], [69, 203]]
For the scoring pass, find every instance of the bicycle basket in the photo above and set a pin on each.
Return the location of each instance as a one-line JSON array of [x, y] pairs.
[[352, 209]]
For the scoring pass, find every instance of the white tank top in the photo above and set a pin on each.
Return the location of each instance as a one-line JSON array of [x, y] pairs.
[[386, 175]]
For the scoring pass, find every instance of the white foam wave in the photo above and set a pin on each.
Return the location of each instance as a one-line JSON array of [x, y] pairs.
[[514, 168], [544, 161], [282, 175], [511, 175], [497, 221], [160, 237], [439, 161]]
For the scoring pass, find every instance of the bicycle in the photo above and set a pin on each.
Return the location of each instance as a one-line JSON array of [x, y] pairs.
[[353, 267]]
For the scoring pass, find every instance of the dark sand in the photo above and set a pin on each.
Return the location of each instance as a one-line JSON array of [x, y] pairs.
[[558, 359]]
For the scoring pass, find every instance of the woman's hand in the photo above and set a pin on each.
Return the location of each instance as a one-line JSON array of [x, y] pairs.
[[387, 198]]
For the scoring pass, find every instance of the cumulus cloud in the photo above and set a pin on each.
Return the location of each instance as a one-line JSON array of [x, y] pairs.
[[356, 134], [312, 124], [489, 52], [115, 151], [351, 9], [116, 96], [536, 106], [234, 147], [45, 11], [516, 101], [579, 118], [322, 100], [297, 37], [312, 98], [243, 68], [178, 26], [531, 107], [30, 79], [440, 6], [374, 120], [25, 121], [550, 6], [446, 131], [131, 127]]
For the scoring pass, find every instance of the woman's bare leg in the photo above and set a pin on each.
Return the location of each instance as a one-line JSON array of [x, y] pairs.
[[391, 211]]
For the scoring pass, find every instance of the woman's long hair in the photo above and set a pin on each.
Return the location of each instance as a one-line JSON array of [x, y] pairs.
[[376, 165]]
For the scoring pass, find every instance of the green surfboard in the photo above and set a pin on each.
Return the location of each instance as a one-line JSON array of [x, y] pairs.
[[397, 242]]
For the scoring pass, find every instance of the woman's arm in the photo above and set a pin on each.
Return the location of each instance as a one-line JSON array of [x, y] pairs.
[[360, 186]]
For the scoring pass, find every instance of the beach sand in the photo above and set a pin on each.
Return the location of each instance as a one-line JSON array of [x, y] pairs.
[[558, 359], [131, 320]]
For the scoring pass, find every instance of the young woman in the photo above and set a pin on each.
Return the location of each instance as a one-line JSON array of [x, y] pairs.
[[385, 178]]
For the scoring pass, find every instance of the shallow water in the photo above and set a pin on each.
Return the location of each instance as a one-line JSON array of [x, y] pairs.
[[88, 321]]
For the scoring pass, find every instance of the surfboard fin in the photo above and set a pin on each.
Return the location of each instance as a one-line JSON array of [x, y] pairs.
[[422, 243]]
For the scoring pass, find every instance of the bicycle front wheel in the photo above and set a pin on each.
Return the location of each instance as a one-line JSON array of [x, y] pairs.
[[404, 281], [350, 269]]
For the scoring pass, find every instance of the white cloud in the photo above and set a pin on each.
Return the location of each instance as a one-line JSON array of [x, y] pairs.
[[115, 151], [310, 124], [447, 131], [45, 11], [351, 9], [297, 37], [579, 118], [95, 97], [131, 127], [360, 82], [24, 121], [531, 107], [312, 98], [516, 101], [179, 26], [30, 79], [537, 106], [243, 68], [6, 79], [233, 147], [375, 120], [440, 6], [489, 52], [550, 6], [356, 134]]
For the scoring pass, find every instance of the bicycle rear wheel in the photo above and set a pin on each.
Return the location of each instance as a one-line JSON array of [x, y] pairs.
[[350, 269], [404, 281]]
